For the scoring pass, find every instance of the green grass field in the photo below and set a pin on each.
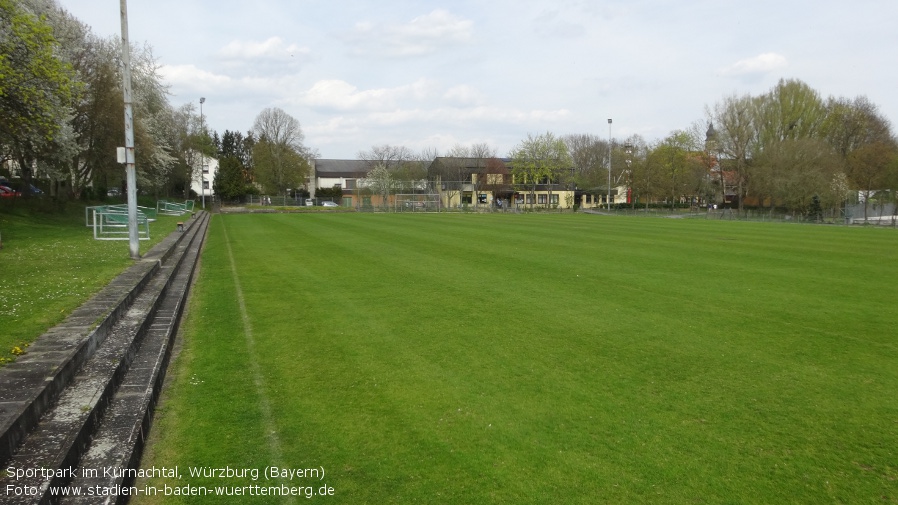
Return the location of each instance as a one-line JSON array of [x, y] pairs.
[[538, 359], [51, 265]]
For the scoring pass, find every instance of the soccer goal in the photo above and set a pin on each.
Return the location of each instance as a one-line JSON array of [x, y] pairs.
[[111, 223], [417, 202], [174, 208], [91, 213]]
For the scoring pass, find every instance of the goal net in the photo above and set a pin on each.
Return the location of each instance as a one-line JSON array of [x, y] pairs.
[[420, 202]]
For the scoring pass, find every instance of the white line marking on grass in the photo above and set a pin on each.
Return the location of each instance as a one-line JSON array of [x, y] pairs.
[[274, 441]]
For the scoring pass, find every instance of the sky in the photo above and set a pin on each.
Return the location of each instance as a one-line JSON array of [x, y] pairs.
[[433, 74]]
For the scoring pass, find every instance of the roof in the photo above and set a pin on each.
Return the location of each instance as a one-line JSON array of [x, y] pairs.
[[341, 168], [467, 165]]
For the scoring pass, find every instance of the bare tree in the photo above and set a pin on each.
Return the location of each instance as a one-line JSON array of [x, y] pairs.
[[380, 181], [736, 120], [280, 158], [850, 124], [793, 172], [589, 156], [279, 128], [387, 155], [868, 168]]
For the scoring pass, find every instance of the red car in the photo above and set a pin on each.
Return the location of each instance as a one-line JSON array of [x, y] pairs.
[[7, 192]]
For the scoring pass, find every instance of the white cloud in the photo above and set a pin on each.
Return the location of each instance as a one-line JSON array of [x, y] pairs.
[[551, 23], [497, 70], [440, 117], [421, 36], [441, 127], [237, 92], [420, 101], [464, 95], [340, 95], [274, 48], [193, 77], [760, 64]]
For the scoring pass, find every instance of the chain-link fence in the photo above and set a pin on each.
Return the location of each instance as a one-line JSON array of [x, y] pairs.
[[467, 197]]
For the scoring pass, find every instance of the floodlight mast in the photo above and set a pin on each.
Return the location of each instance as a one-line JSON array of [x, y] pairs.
[[610, 145], [202, 158], [131, 175]]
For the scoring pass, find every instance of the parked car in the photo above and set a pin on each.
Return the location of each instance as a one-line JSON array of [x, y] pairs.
[[329, 204], [7, 192], [18, 188]]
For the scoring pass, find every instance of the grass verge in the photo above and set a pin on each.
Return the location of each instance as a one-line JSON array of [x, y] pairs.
[[51, 265]]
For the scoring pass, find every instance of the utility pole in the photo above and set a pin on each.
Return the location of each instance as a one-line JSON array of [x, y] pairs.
[[202, 157], [131, 175], [609, 163]]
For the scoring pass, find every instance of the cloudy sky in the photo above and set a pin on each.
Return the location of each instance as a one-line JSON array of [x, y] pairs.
[[436, 73]]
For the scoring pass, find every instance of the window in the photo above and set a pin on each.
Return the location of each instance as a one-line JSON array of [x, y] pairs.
[[481, 198], [553, 200], [350, 183], [205, 184], [542, 199], [529, 199]]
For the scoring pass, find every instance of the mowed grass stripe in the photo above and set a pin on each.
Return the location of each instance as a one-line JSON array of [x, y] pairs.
[[214, 417], [255, 372], [572, 358]]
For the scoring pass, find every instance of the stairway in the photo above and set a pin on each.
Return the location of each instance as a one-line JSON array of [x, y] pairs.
[[80, 402]]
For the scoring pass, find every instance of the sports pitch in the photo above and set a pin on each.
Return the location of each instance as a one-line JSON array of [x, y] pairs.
[[435, 358]]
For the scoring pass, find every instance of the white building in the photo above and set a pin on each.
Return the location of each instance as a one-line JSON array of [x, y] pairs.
[[202, 181]]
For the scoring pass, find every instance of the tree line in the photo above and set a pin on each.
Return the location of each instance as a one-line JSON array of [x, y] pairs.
[[788, 148], [61, 104]]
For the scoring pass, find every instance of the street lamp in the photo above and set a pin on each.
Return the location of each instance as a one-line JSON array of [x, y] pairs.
[[711, 147], [609, 163], [202, 160], [628, 148]]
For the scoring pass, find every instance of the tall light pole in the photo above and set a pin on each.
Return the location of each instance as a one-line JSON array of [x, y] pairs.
[[202, 159], [130, 171], [711, 147], [609, 163], [628, 148]]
